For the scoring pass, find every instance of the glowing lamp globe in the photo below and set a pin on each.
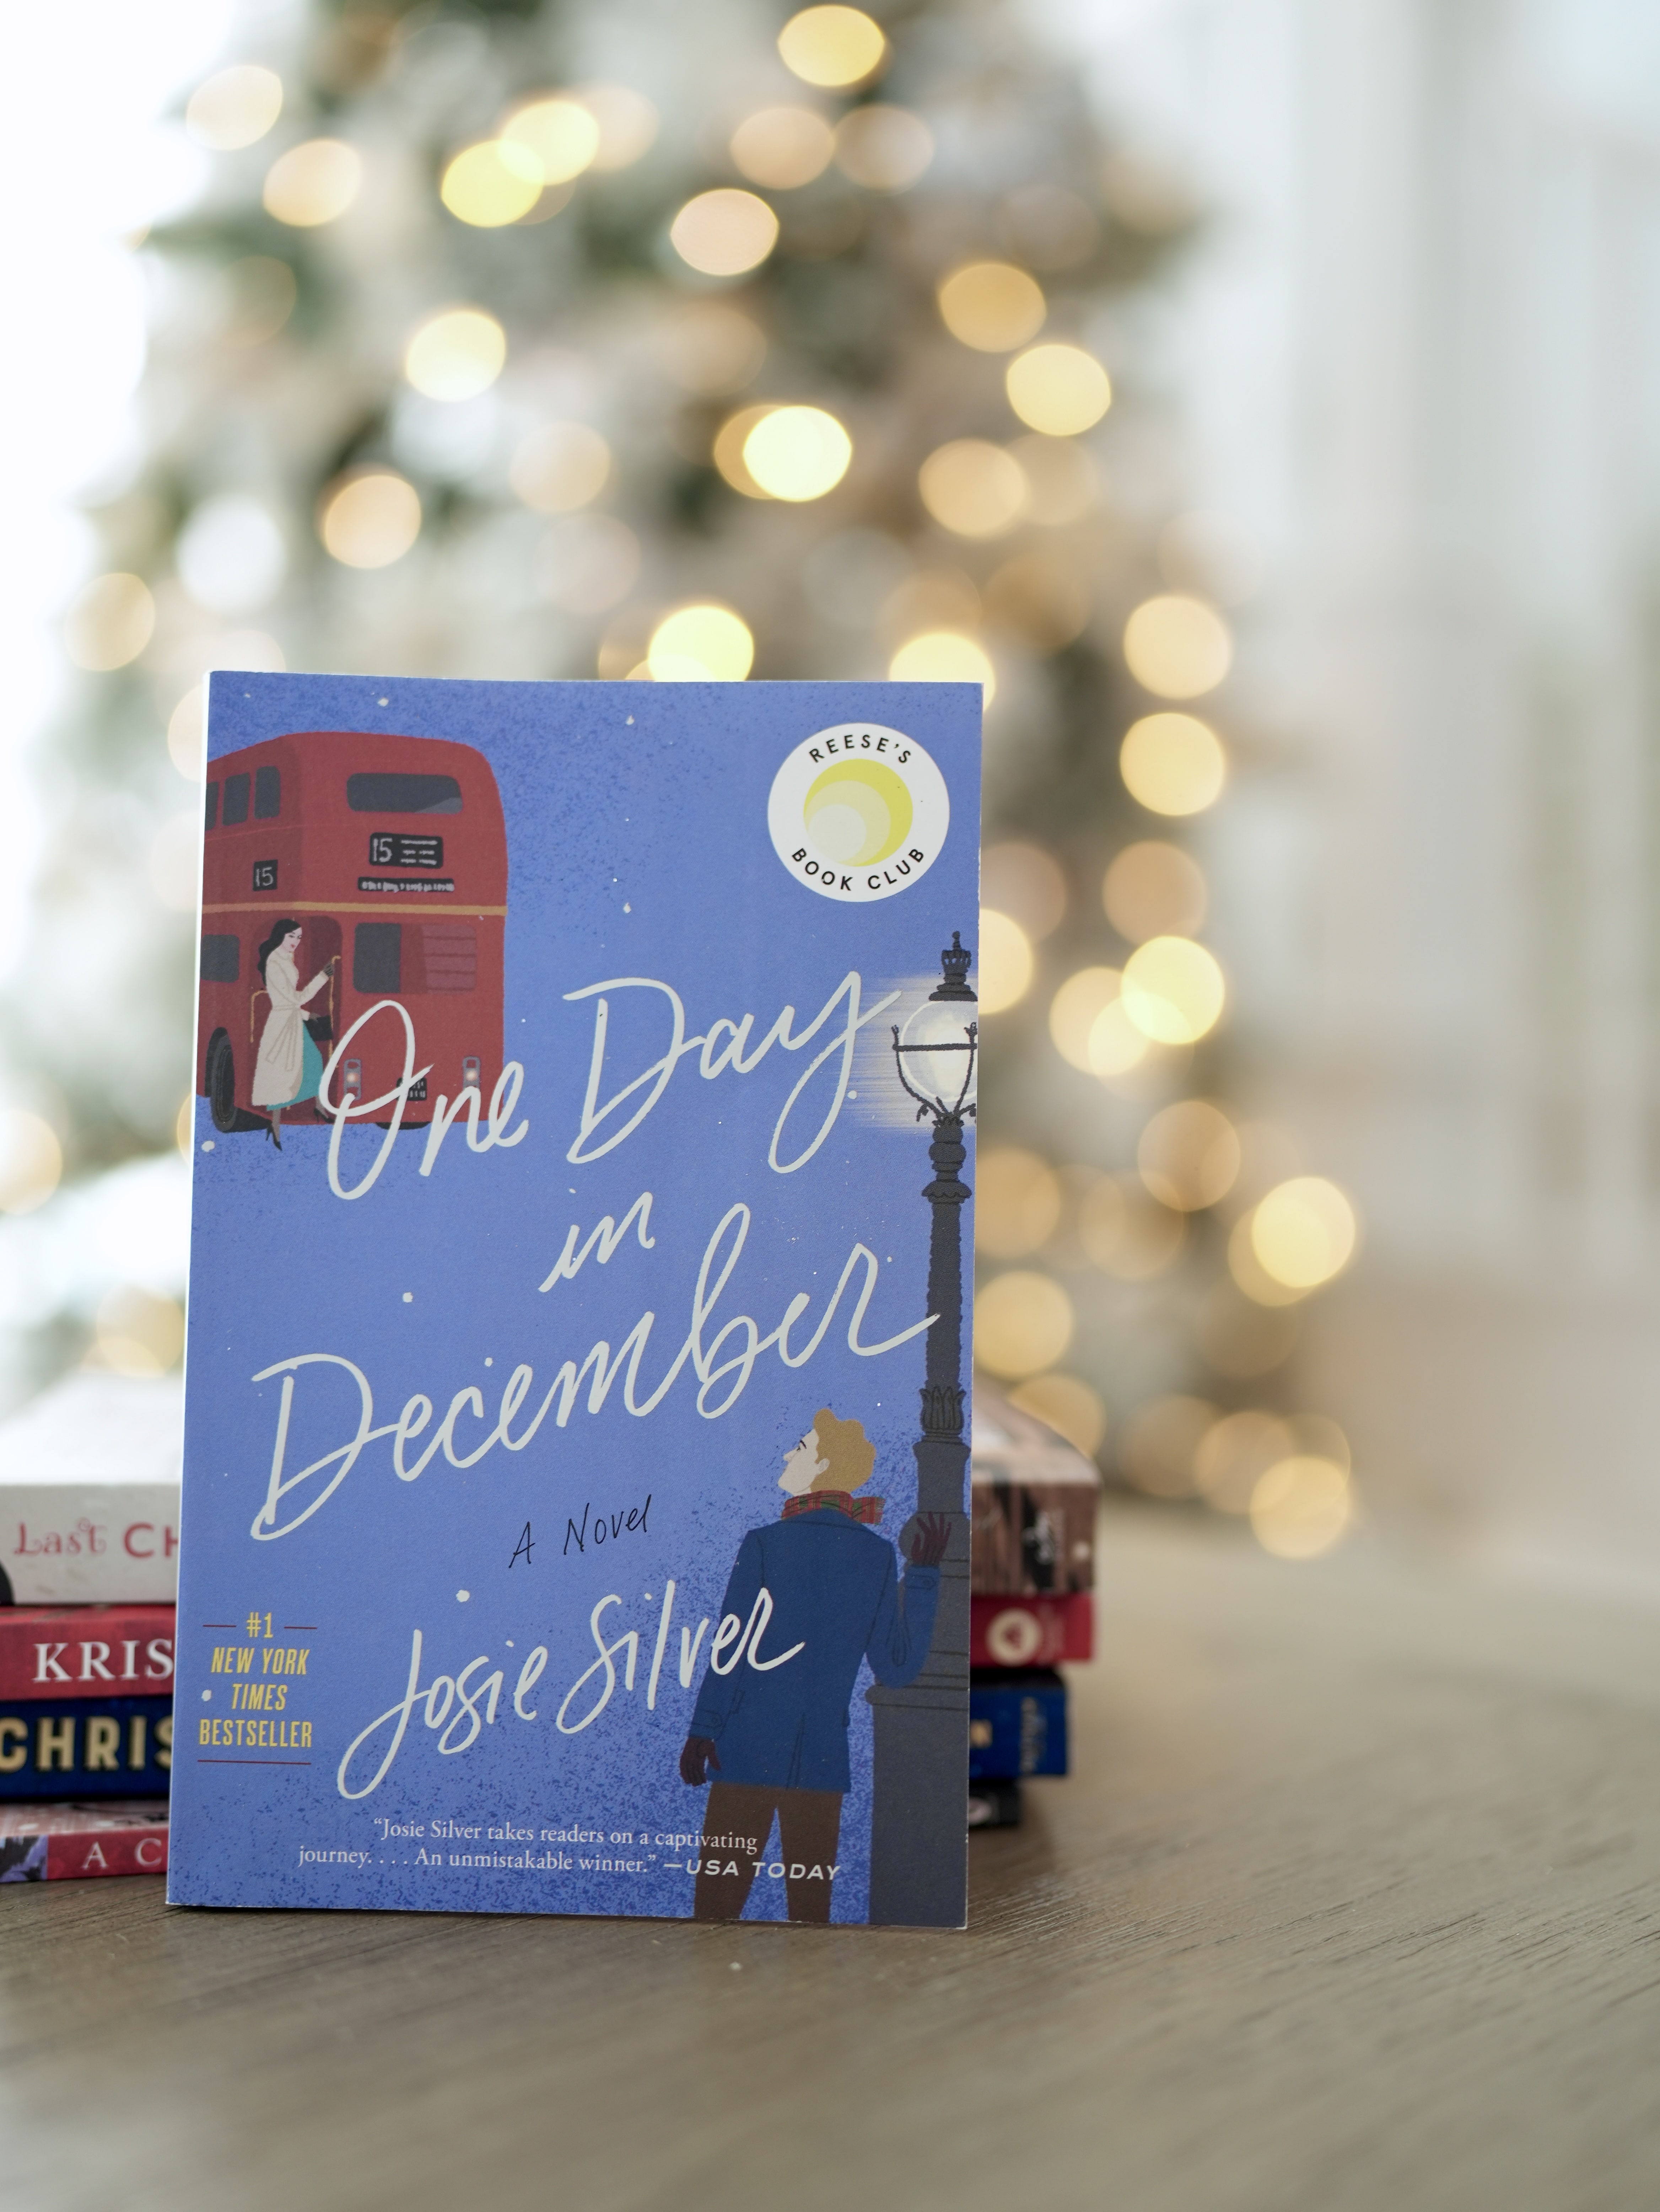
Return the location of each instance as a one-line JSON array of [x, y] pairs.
[[938, 1049]]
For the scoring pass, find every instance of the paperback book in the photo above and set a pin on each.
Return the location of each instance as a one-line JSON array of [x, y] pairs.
[[576, 1455], [89, 1493], [78, 1843]]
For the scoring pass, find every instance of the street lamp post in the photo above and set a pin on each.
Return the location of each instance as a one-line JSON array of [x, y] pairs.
[[920, 1813]]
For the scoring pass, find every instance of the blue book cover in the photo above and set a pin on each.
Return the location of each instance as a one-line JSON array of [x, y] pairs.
[[1016, 1724], [84, 1747], [576, 1458]]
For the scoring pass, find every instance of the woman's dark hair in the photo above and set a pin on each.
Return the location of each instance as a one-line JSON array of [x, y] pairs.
[[278, 931]]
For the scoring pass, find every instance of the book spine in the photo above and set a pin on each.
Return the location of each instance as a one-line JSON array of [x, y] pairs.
[[1017, 1727], [1032, 1539], [88, 1543], [1031, 1631], [92, 1652], [69, 1747]]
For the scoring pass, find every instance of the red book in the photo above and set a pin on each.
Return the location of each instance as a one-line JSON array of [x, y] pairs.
[[1031, 1631], [58, 1651], [71, 1843]]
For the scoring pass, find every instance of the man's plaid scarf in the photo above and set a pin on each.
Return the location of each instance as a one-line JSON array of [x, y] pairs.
[[868, 1510]]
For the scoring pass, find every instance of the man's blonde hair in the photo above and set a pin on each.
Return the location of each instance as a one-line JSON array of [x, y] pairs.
[[850, 1453]]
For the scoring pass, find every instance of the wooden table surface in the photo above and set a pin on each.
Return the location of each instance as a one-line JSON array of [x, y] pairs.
[[1350, 1904]]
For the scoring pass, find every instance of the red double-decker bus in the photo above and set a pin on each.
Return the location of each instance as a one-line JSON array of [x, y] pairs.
[[390, 854]]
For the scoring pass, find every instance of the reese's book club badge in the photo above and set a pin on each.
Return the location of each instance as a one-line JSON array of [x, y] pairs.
[[575, 1504]]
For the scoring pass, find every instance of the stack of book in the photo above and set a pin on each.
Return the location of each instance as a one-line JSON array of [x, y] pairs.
[[88, 1562], [1033, 1504], [88, 1568]]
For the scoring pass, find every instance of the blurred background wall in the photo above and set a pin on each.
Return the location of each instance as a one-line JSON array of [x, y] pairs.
[[1377, 289], [1419, 357]]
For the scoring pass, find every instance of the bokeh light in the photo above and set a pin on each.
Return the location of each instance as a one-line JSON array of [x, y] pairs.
[[314, 183], [1177, 647], [1023, 1321], [1025, 882], [972, 488], [1115, 1045], [782, 148], [1158, 1443], [455, 355], [724, 232], [1005, 962], [1069, 1407], [709, 349], [109, 622], [1188, 1155], [944, 656], [1235, 1453], [1126, 1232], [1173, 990], [31, 1160], [992, 305], [1172, 764], [234, 108], [1304, 1232], [1017, 1202], [1058, 389], [1074, 1009], [1301, 1507], [701, 644], [369, 517], [627, 123], [884, 148], [561, 136], [831, 46], [1153, 889], [495, 183], [1248, 1271], [559, 467], [730, 440], [138, 1332], [797, 454], [231, 555], [1062, 483]]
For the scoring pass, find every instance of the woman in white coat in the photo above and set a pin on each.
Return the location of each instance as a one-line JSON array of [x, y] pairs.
[[289, 1066]]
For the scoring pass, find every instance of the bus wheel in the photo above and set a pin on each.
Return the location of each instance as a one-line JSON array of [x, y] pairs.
[[221, 1082]]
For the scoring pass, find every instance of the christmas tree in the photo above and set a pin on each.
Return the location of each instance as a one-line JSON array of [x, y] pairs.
[[551, 340]]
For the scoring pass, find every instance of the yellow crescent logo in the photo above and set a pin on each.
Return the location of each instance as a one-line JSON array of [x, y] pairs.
[[857, 812]]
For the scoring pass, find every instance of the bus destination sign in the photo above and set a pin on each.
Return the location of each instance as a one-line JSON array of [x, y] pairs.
[[389, 849]]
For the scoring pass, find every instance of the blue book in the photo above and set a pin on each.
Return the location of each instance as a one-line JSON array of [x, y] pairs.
[[576, 1458], [52, 1748], [1016, 1724]]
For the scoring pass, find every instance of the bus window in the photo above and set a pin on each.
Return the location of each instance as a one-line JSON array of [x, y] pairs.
[[236, 799], [212, 806], [378, 955], [221, 959], [267, 793], [402, 794], [449, 956]]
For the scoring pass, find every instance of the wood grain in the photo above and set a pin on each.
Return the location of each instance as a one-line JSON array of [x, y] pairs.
[[1352, 1904]]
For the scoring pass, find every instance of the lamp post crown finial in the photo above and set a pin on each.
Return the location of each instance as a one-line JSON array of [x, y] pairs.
[[954, 963]]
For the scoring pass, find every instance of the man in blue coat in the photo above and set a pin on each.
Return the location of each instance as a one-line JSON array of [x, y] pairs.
[[808, 1597]]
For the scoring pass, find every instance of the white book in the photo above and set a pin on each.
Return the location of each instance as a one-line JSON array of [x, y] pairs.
[[89, 1493]]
